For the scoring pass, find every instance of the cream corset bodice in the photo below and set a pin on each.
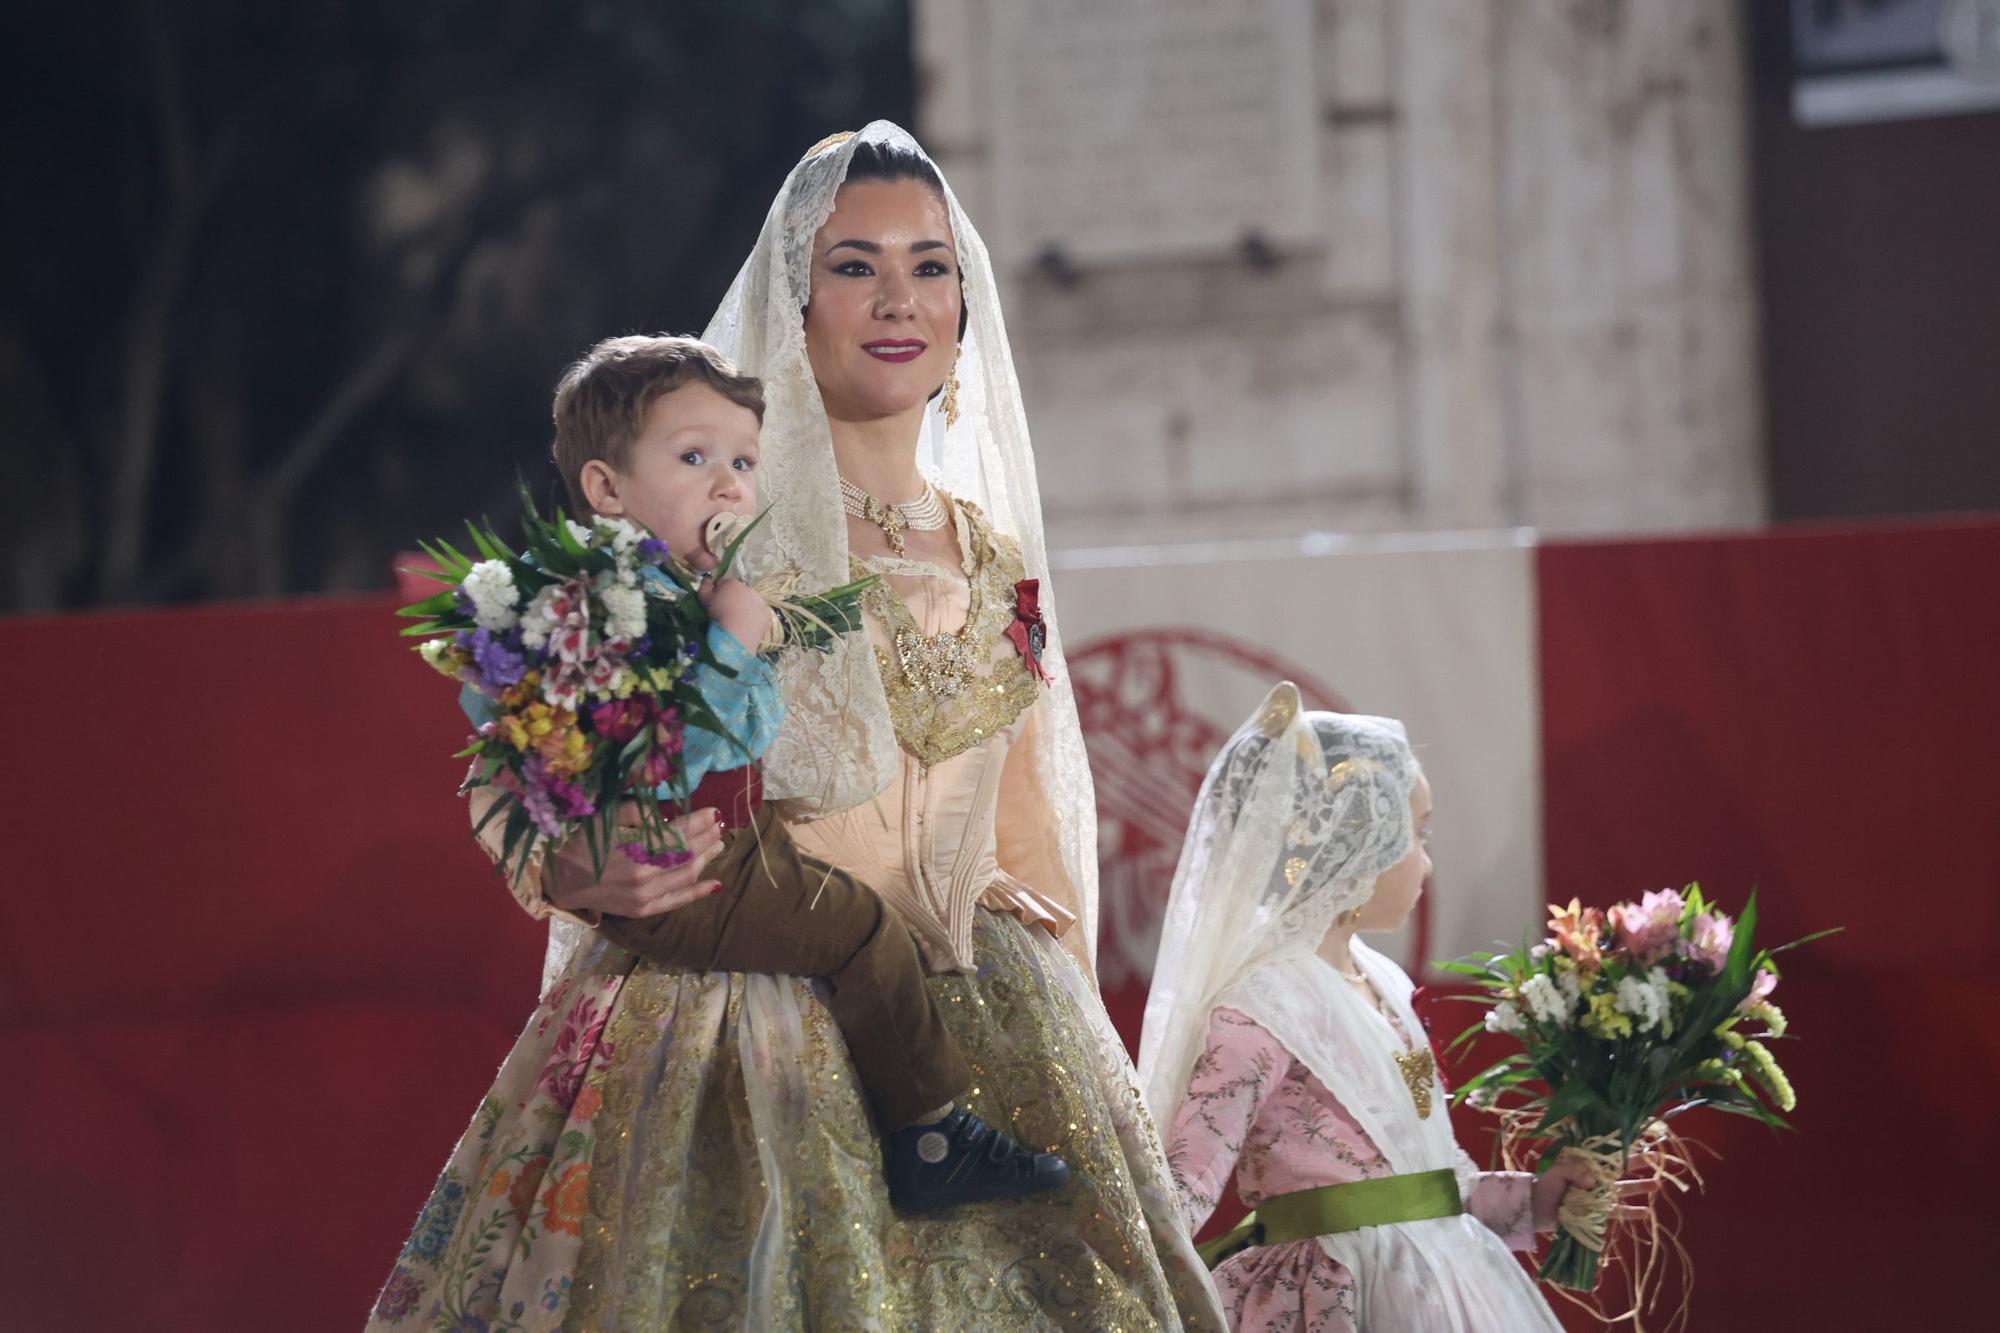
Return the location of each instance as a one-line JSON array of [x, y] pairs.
[[965, 822]]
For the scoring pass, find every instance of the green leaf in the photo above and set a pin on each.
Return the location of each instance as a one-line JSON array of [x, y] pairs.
[[1569, 1099], [1807, 939], [487, 544], [1736, 971], [499, 807]]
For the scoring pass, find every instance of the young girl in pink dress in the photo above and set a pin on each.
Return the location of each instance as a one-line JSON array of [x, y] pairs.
[[1281, 1049]]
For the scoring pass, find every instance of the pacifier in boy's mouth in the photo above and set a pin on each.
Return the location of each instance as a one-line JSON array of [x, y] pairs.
[[722, 530]]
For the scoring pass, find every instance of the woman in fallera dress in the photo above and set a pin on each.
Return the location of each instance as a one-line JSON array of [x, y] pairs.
[[667, 1149]]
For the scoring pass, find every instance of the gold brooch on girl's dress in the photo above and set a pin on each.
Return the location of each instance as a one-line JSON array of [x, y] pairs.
[[1418, 1067]]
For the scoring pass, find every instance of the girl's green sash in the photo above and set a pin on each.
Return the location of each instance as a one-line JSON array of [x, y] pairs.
[[1335, 1208]]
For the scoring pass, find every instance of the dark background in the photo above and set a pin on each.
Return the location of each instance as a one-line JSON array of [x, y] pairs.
[[289, 285], [1878, 250]]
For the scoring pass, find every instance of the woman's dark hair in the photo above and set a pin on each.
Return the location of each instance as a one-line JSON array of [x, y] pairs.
[[873, 161], [892, 162]]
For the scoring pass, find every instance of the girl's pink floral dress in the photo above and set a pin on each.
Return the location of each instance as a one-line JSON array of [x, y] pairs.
[[1253, 1110]]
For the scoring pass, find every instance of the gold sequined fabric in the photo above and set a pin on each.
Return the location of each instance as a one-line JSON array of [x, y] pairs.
[[669, 1150], [681, 1185], [949, 692]]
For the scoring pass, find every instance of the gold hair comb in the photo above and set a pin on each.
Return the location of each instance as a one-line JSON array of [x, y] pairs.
[[1281, 708], [830, 141]]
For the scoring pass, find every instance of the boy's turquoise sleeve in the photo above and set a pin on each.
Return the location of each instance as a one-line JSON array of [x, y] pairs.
[[479, 709], [750, 707]]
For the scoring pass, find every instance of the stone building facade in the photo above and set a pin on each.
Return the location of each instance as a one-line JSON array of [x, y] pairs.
[[1290, 266]]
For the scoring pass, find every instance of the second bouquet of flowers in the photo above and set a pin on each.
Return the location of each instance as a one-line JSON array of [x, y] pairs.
[[582, 648], [1626, 1019]]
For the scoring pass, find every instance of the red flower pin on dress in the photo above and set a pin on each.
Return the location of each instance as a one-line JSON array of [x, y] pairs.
[[1028, 632]]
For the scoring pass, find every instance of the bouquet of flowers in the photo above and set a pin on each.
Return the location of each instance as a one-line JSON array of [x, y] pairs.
[[1626, 1019], [585, 645]]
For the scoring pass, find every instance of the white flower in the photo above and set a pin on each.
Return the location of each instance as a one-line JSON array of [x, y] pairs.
[[1571, 988], [577, 530], [490, 586], [1505, 1017], [538, 620], [1545, 1001], [1644, 998], [624, 611], [621, 533]]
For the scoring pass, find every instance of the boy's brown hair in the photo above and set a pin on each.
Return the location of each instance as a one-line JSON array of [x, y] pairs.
[[601, 401]]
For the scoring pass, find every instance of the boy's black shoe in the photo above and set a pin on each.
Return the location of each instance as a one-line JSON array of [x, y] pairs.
[[962, 1159]]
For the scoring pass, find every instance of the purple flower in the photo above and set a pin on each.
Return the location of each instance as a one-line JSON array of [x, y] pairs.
[[541, 809], [550, 798], [693, 649], [668, 859], [461, 602], [399, 1296], [652, 550], [499, 658]]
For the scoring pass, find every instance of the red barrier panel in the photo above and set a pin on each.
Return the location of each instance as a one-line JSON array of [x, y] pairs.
[[1812, 715], [256, 977]]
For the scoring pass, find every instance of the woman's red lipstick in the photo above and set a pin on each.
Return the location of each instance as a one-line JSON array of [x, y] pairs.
[[897, 350]]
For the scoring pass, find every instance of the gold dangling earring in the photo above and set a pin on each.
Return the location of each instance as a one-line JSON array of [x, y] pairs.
[[951, 394]]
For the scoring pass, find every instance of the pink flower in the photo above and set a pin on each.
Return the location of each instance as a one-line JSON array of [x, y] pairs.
[[620, 719], [1709, 944], [576, 1044], [562, 687], [654, 769], [569, 610], [603, 670], [1649, 929], [1761, 987]]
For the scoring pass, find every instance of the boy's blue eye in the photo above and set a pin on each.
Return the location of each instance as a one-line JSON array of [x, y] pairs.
[[693, 458], [744, 464]]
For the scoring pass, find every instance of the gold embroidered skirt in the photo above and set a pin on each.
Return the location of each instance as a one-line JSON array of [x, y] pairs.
[[670, 1150]]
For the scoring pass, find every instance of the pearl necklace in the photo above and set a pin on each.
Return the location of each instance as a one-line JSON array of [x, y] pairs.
[[926, 513]]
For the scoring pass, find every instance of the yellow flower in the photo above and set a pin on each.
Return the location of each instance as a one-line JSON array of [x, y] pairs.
[[1765, 1067], [563, 745], [1604, 1020], [1769, 1015], [444, 656], [524, 730], [529, 688]]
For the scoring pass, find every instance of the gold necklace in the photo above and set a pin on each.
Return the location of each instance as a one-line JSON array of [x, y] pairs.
[[941, 665]]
